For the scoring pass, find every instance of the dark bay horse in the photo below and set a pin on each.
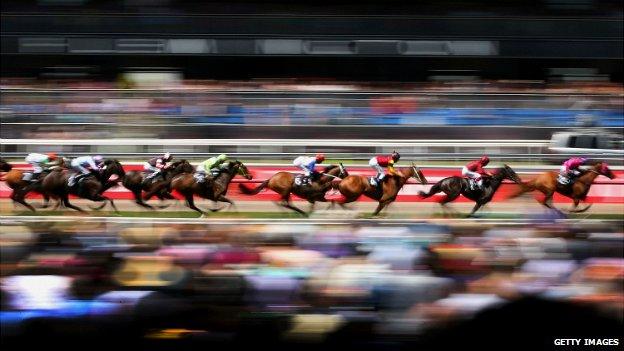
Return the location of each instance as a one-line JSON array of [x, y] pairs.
[[283, 183], [91, 187], [455, 186], [354, 186], [135, 182], [211, 189], [21, 187], [547, 184]]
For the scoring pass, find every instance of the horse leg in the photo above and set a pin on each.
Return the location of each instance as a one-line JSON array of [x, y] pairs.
[[139, 200], [225, 199], [576, 203], [46, 201], [19, 198], [445, 200], [475, 208], [286, 203], [191, 203], [65, 199], [382, 204], [99, 197]]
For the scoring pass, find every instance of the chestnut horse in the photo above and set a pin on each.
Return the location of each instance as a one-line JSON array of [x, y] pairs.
[[21, 187], [455, 186], [283, 183], [212, 189], [547, 184], [354, 186]]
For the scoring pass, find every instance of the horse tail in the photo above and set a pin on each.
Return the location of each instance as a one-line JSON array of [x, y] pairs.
[[436, 188], [523, 188], [245, 190]]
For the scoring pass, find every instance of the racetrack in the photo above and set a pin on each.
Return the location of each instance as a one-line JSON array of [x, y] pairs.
[[517, 208]]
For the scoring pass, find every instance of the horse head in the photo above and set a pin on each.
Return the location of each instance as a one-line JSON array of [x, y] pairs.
[[417, 174], [336, 170], [182, 166], [602, 168], [240, 169], [507, 173], [112, 168]]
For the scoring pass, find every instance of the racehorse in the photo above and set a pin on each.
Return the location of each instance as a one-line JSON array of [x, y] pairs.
[[211, 189], [135, 182], [547, 184], [15, 180], [354, 186], [90, 187], [455, 186], [283, 183]]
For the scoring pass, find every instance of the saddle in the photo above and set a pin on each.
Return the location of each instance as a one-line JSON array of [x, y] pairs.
[[565, 181], [373, 181]]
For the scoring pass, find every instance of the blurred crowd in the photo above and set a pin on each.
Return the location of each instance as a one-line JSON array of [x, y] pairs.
[[294, 102], [365, 286]]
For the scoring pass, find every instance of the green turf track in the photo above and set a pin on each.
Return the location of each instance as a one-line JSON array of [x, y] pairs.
[[269, 215]]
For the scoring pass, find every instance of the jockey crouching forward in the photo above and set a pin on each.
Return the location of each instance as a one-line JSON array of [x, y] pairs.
[[570, 169], [213, 164], [308, 165], [380, 161], [39, 163], [474, 170], [155, 166], [84, 166]]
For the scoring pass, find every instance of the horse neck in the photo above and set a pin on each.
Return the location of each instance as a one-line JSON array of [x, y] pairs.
[[589, 176], [334, 172], [405, 175], [227, 176], [496, 181]]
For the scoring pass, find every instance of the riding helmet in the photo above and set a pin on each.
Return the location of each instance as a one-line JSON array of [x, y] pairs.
[[167, 157], [320, 158], [485, 160], [395, 156], [52, 156]]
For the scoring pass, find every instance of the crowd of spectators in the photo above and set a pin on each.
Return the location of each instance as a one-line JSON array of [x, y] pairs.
[[389, 287]]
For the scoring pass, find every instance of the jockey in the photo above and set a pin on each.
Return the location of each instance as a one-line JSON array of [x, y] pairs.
[[474, 170], [85, 165], [308, 165], [210, 165], [39, 162], [155, 165], [378, 162], [570, 168]]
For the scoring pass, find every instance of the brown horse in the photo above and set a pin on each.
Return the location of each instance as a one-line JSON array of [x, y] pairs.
[[15, 180], [211, 189], [91, 187], [547, 184], [283, 183], [455, 186], [135, 182], [354, 186]]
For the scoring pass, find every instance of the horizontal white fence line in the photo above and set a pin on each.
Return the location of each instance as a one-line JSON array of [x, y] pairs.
[[279, 142]]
